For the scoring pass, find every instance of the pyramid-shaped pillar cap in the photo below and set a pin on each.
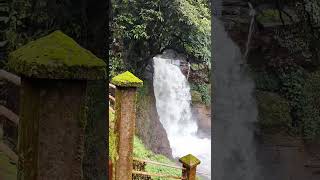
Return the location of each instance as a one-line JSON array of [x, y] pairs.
[[127, 79], [56, 56], [189, 161]]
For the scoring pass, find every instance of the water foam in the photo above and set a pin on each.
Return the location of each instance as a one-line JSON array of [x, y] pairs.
[[173, 98]]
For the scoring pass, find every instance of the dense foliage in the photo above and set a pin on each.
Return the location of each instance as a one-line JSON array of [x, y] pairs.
[[141, 29], [31, 19], [293, 75], [204, 91]]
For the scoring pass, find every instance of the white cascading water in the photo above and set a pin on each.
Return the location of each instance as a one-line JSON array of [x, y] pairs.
[[235, 112], [172, 93]]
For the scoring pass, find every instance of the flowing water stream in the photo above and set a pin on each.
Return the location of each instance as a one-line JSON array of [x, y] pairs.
[[252, 14], [234, 112], [173, 99]]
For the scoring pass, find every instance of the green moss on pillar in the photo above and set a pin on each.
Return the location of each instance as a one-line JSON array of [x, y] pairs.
[[189, 161], [56, 56], [127, 79]]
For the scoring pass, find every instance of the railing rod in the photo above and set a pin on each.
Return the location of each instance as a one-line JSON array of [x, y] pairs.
[[111, 109], [157, 163], [10, 77], [110, 169], [202, 173], [156, 175], [112, 86], [9, 114], [7, 151], [112, 98]]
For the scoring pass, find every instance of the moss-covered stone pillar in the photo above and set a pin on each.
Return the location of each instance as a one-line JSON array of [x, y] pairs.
[[190, 164], [125, 116], [55, 72]]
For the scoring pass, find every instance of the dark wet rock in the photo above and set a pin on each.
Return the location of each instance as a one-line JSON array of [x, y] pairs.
[[203, 115], [148, 125]]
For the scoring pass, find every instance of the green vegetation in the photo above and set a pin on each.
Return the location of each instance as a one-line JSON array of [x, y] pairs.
[[289, 78], [266, 81], [142, 29], [311, 105], [29, 20], [140, 151], [274, 111], [196, 96], [56, 56], [271, 16], [201, 90]]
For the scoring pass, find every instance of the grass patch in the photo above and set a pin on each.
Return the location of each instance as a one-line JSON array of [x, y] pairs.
[[140, 151]]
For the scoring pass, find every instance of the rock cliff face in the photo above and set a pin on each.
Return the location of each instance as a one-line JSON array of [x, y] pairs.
[[148, 126], [203, 116]]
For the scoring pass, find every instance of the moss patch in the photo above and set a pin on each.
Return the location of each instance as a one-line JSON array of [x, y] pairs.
[[56, 56], [274, 111], [271, 16], [202, 89], [190, 160], [196, 96], [127, 79]]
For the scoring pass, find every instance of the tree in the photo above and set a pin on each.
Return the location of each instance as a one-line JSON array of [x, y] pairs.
[[86, 21], [142, 29]]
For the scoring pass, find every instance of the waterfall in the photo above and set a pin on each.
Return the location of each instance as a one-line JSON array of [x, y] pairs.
[[173, 99], [234, 112], [252, 14]]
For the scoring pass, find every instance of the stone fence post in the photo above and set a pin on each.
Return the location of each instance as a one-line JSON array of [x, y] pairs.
[[55, 72], [125, 116], [190, 163]]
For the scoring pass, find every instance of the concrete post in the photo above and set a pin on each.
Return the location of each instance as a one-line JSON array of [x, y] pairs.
[[190, 163], [125, 116], [54, 72]]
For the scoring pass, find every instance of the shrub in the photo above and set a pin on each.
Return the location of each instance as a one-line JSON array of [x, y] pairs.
[[311, 107], [204, 90], [274, 110]]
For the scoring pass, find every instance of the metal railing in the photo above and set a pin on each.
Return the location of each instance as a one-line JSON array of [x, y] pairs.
[[111, 97], [155, 174], [7, 113], [10, 77]]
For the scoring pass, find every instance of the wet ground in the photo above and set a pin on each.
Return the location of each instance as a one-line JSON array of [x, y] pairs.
[[284, 157]]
